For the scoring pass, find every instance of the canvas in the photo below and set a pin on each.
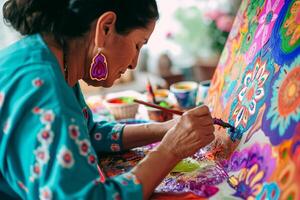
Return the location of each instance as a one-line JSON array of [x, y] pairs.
[[256, 88]]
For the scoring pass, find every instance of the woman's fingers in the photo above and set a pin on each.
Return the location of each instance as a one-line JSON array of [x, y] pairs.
[[199, 111]]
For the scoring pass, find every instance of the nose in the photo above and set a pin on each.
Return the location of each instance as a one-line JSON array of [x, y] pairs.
[[134, 62]]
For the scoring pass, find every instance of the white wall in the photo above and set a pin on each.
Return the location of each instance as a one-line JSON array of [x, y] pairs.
[[7, 34]]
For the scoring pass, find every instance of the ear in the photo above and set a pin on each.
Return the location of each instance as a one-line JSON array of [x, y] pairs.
[[105, 25]]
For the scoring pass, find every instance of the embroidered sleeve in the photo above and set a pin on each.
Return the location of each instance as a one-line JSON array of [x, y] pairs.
[[105, 136], [48, 155]]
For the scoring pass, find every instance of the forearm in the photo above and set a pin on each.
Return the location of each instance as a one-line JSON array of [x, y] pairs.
[[142, 134], [153, 168]]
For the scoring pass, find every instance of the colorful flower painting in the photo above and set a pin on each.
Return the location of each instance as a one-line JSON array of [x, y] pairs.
[[256, 88], [283, 104], [251, 93]]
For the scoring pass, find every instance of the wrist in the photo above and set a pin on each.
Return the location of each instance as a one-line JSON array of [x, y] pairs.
[[167, 154]]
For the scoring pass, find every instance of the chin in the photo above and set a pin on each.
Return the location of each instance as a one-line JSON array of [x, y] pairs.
[[105, 83]]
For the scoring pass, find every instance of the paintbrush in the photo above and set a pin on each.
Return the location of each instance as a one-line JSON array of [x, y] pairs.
[[177, 112], [150, 91]]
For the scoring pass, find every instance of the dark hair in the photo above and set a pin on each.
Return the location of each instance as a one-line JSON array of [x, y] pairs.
[[72, 18]]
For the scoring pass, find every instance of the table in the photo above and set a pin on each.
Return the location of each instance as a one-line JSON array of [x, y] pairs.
[[202, 181]]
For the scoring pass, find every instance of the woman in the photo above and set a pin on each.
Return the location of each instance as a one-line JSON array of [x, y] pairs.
[[48, 140]]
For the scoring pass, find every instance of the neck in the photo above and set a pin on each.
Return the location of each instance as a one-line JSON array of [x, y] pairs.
[[73, 57]]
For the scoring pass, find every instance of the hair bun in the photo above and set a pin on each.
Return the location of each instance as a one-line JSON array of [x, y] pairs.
[[33, 16]]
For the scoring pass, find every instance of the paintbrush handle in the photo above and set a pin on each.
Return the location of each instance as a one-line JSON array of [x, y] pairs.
[[176, 112], [222, 123], [150, 91]]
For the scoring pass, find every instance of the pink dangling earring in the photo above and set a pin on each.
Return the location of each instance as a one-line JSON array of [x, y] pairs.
[[99, 70]]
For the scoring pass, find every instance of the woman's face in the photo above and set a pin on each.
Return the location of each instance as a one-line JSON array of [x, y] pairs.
[[121, 52]]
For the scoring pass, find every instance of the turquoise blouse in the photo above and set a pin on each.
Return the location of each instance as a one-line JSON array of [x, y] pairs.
[[48, 139]]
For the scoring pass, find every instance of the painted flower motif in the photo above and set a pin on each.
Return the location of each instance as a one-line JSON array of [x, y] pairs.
[[2, 96], [74, 131], [115, 136], [45, 137], [265, 26], [249, 94], [251, 53], [115, 147], [267, 20], [286, 171], [85, 113], [248, 37], [65, 158], [254, 9], [248, 184], [45, 193], [37, 82], [42, 155], [283, 104], [286, 27], [84, 147], [292, 24], [255, 154], [238, 22], [98, 136], [269, 191], [47, 117]]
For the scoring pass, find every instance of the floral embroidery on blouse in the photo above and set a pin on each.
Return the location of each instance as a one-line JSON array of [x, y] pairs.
[[2, 96], [45, 138], [45, 193], [36, 110], [115, 147], [84, 147], [65, 157], [47, 117], [37, 82], [115, 136], [74, 132], [6, 126], [98, 136], [22, 186], [85, 113], [117, 128], [116, 196], [35, 171], [42, 155]]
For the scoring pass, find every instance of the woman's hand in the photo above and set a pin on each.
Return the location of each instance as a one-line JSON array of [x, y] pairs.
[[193, 131]]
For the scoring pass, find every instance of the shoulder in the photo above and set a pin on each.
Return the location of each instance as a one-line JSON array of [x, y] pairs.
[[27, 51]]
